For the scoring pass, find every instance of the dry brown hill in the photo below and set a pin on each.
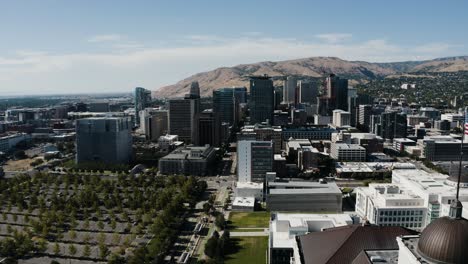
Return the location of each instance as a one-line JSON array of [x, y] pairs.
[[315, 67]]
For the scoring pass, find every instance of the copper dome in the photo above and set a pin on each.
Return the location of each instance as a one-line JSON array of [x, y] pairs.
[[445, 241]]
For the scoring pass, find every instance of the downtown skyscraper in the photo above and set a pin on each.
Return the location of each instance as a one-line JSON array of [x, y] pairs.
[[142, 100], [261, 102]]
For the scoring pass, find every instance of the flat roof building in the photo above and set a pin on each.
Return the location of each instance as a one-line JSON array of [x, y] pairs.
[[303, 196], [286, 227], [104, 140], [243, 204], [188, 160], [347, 152], [414, 199]]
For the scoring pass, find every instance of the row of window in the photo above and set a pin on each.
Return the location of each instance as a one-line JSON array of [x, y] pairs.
[[400, 213], [408, 225], [400, 219]]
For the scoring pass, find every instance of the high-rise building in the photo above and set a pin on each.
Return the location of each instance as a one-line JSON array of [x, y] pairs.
[[142, 100], [308, 92], [103, 140], [365, 112], [240, 93], [182, 117], [261, 102], [341, 118], [207, 128], [254, 160], [393, 125], [278, 95], [194, 92], [225, 105], [289, 90], [353, 105], [156, 124], [335, 95]]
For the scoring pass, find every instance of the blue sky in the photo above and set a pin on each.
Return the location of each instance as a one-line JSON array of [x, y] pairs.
[[112, 46]]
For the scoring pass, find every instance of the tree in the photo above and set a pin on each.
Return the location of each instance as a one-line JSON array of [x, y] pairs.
[[56, 249], [101, 238], [72, 249], [116, 238], [211, 247], [220, 222], [116, 259], [86, 224], [207, 208], [103, 251], [72, 234], [86, 251], [100, 225]]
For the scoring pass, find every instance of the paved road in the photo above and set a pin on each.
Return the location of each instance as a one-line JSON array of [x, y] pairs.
[[249, 234]]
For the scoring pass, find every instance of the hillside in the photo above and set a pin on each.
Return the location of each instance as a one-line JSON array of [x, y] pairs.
[[356, 71]]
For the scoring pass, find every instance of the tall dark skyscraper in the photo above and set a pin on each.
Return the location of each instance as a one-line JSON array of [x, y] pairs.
[[393, 125], [224, 104], [261, 102], [194, 91], [142, 100], [207, 129], [240, 93], [278, 95], [182, 117], [308, 92], [335, 95], [289, 90]]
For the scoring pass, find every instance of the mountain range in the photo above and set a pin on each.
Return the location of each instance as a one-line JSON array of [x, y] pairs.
[[356, 71]]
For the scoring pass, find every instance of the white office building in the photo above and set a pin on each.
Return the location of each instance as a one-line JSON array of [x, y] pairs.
[[391, 205], [285, 227], [254, 160], [347, 152], [414, 199], [341, 118]]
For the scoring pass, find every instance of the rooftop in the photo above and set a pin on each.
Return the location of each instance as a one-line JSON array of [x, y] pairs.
[[340, 146], [345, 244], [284, 227], [249, 185], [244, 201], [302, 187]]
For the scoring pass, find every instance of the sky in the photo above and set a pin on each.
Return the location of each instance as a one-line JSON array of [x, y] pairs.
[[89, 46]]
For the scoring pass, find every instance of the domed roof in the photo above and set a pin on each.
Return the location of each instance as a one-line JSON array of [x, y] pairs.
[[445, 241]]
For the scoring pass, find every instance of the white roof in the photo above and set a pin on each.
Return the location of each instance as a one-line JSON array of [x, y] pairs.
[[285, 226], [244, 201], [249, 185]]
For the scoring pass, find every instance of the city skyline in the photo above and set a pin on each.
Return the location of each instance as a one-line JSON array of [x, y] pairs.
[[61, 48]]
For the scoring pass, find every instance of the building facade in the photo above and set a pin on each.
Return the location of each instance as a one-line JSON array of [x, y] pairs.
[[261, 103], [182, 117], [254, 160], [104, 140]]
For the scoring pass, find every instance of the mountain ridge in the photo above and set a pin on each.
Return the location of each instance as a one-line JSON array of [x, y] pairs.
[[356, 71]]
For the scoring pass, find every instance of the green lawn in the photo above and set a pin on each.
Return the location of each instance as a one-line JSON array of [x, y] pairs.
[[250, 250], [255, 219]]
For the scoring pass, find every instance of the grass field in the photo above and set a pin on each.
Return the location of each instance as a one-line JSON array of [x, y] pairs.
[[255, 219], [250, 250]]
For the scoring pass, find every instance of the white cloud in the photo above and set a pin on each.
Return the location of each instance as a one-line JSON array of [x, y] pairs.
[[334, 37], [105, 38], [123, 67]]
